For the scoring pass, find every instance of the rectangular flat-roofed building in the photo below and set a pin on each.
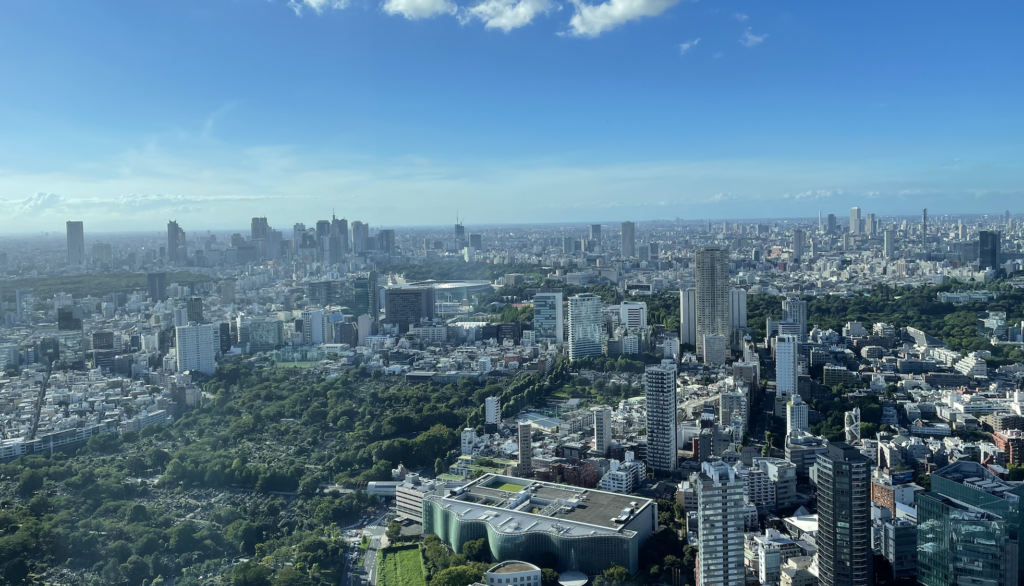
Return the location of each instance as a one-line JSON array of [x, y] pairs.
[[585, 529]]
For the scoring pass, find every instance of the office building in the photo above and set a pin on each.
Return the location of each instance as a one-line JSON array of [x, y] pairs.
[[714, 350], [787, 352], [468, 441], [794, 310], [633, 315], [476, 242], [798, 243], [720, 523], [315, 328], [602, 430], [386, 241], [988, 249], [889, 243], [628, 239], [360, 237], [624, 477], [76, 244], [871, 226], [855, 221], [899, 547], [525, 463], [492, 410], [180, 315], [176, 251], [579, 529], [586, 325], [844, 516], [156, 286], [688, 317], [366, 298], [259, 229], [406, 306], [196, 346], [194, 309], [548, 318], [737, 309], [712, 293], [660, 393], [831, 223], [595, 233], [796, 415], [969, 528], [265, 334]]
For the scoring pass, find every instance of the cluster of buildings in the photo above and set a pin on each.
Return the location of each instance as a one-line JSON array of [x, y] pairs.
[[580, 480]]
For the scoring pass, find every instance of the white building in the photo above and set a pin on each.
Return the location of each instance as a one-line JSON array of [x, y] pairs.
[[513, 572], [787, 350], [720, 522], [972, 365], [796, 415], [633, 315], [468, 441], [660, 391], [196, 347], [547, 317], [492, 410], [586, 325], [737, 308], [624, 477], [314, 327], [602, 430], [794, 310]]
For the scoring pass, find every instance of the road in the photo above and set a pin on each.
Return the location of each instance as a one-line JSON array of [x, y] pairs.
[[375, 531]]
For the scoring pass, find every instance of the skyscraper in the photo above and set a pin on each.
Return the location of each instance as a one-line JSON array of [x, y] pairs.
[[688, 316], [366, 296], [525, 449], [314, 327], [968, 528], [798, 243], [855, 220], [794, 309], [492, 411], [547, 317], [628, 239], [76, 244], [339, 228], [888, 243], [156, 286], [872, 225], [844, 516], [720, 505], [787, 349], [595, 232], [360, 236], [196, 348], [924, 226], [259, 229], [737, 308], [194, 309], [660, 392], [712, 293], [175, 243], [602, 430], [988, 249], [407, 306], [585, 325], [831, 224]]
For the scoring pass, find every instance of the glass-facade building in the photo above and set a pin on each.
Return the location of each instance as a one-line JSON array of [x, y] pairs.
[[547, 317], [968, 529], [585, 530]]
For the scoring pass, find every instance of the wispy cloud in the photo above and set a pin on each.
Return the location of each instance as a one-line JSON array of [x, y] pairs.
[[749, 39], [740, 17], [216, 115], [950, 163], [417, 9], [591, 20], [317, 6], [684, 48], [506, 15], [814, 194]]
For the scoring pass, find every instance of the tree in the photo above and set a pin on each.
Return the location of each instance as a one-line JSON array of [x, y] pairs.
[[251, 574], [477, 550], [29, 483], [394, 531], [616, 572], [548, 577], [291, 577], [136, 513], [457, 576], [135, 570], [439, 467]]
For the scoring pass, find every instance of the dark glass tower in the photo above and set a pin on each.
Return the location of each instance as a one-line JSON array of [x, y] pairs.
[[844, 517]]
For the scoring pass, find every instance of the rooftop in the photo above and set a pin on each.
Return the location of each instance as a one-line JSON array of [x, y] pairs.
[[513, 566]]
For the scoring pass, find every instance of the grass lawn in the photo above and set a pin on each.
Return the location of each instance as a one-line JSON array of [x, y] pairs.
[[509, 487], [400, 566]]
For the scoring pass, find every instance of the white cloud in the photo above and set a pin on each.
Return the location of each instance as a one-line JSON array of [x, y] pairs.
[[685, 47], [506, 14], [416, 9], [814, 194], [317, 6], [36, 204], [740, 17], [591, 20], [749, 39]]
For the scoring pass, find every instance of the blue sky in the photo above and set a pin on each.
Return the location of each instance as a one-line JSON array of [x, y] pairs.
[[126, 114]]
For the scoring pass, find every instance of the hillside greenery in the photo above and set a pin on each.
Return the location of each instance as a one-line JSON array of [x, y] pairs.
[[91, 285]]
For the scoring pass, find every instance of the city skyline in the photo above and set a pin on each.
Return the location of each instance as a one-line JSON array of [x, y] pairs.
[[766, 110]]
